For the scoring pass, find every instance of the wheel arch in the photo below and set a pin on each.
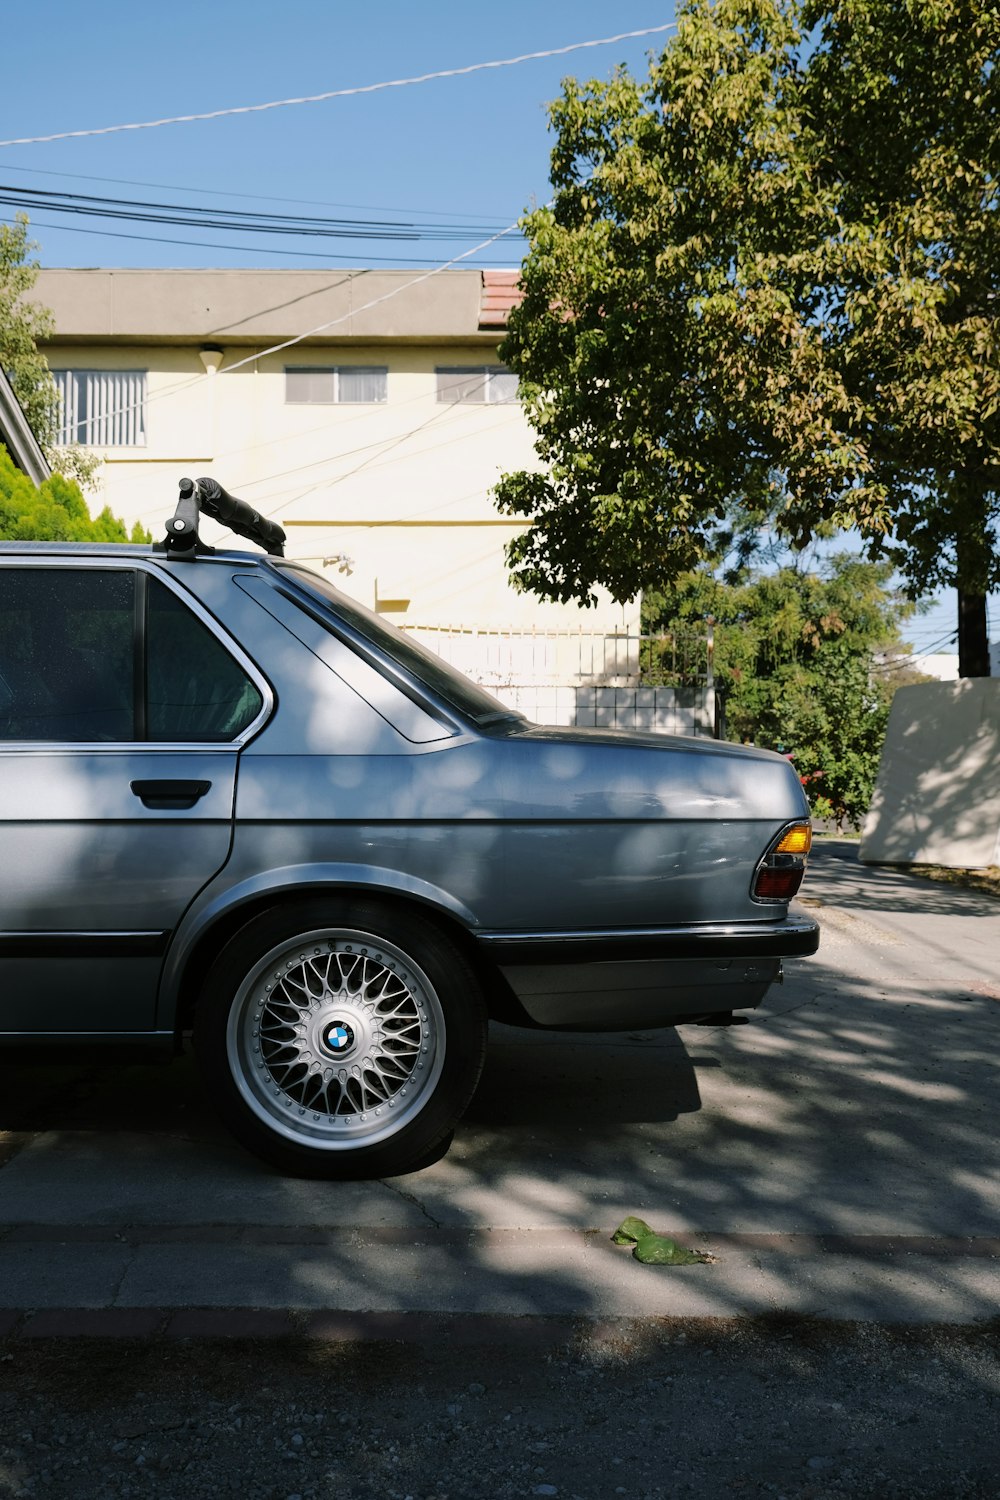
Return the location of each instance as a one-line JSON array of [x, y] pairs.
[[187, 974]]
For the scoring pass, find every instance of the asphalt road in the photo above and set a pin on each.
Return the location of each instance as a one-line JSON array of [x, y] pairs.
[[470, 1331], [838, 1155]]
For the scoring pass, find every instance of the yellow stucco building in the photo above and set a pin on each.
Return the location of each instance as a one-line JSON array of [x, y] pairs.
[[366, 411]]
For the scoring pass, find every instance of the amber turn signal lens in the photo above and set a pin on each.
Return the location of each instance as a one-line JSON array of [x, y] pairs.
[[797, 840], [780, 872]]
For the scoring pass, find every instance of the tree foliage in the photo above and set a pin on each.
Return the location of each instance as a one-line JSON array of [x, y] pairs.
[[54, 511], [793, 660], [23, 323], [768, 284]]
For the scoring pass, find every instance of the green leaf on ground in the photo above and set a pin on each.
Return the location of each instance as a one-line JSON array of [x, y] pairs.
[[655, 1249]]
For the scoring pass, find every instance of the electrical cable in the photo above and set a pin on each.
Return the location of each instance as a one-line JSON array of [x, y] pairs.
[[392, 439], [368, 88], [361, 412], [321, 327], [901, 663], [339, 478], [243, 221], [387, 296], [449, 409], [157, 239], [173, 187]]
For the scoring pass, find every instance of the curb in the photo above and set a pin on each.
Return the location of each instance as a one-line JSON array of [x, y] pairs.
[[328, 1326], [537, 1332]]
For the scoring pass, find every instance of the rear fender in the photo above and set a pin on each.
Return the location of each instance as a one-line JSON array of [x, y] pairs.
[[218, 914]]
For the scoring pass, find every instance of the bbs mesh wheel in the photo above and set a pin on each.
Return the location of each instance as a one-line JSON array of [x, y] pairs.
[[341, 1038]]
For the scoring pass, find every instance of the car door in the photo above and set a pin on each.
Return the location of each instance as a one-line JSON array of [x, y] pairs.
[[122, 713]]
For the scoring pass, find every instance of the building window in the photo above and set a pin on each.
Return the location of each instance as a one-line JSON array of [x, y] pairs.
[[327, 385], [492, 384], [102, 408]]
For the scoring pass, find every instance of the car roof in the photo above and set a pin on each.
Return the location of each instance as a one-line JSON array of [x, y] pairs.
[[121, 549]]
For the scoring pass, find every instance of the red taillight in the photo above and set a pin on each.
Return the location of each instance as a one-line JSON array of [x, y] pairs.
[[780, 872], [778, 883]]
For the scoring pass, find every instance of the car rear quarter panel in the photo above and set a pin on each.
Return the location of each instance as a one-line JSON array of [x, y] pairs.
[[519, 828], [515, 832], [605, 831]]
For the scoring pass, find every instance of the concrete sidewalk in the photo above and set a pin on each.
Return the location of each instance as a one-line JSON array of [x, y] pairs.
[[838, 1154]]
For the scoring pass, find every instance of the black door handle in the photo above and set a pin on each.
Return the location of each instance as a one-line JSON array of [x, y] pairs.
[[169, 794]]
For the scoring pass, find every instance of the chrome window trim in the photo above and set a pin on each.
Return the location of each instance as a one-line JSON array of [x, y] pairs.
[[134, 564]]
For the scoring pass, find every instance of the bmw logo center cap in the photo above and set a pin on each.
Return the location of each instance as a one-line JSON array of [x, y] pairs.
[[338, 1036]]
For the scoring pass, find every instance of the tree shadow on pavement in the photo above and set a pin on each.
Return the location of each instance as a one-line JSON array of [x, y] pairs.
[[836, 875]]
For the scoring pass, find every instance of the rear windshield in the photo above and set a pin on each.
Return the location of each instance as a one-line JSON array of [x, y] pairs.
[[442, 679]]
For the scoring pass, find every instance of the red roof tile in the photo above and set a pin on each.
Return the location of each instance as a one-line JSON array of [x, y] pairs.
[[500, 293]]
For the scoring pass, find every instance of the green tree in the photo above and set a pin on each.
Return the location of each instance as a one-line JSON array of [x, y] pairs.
[[794, 662], [53, 512], [768, 288], [23, 323]]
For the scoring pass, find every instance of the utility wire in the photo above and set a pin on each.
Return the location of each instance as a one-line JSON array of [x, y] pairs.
[[383, 445], [354, 312], [244, 221], [901, 663], [390, 440], [268, 250], [320, 327], [359, 413], [173, 187], [389, 444], [367, 88]]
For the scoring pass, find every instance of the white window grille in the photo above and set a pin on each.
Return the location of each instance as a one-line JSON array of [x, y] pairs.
[[493, 384], [102, 408], [328, 385]]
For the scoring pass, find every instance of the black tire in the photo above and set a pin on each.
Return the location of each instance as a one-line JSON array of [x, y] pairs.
[[341, 1038]]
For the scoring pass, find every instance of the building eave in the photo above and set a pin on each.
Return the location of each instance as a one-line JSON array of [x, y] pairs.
[[265, 307]]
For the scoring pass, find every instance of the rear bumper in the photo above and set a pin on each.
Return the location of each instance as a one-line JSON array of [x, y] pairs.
[[617, 980], [790, 937]]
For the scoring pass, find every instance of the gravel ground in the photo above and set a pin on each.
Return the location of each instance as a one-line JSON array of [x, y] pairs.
[[651, 1409]]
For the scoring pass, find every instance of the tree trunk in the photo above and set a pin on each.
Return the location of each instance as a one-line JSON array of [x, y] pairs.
[[973, 641], [972, 556]]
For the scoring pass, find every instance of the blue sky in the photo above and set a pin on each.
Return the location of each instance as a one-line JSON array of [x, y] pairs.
[[455, 159], [466, 151]]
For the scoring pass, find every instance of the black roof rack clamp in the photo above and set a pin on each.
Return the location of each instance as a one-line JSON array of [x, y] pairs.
[[207, 497]]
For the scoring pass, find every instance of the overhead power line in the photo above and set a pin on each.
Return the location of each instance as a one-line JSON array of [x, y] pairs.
[[321, 327], [366, 88], [901, 663], [376, 302], [242, 221], [298, 254], [217, 192]]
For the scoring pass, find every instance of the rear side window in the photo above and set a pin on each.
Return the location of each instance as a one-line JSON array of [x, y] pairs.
[[66, 654], [93, 655], [195, 691]]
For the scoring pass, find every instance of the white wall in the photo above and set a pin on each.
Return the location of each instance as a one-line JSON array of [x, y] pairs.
[[400, 489]]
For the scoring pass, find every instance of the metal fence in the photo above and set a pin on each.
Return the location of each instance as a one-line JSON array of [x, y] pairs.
[[499, 657], [615, 680]]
